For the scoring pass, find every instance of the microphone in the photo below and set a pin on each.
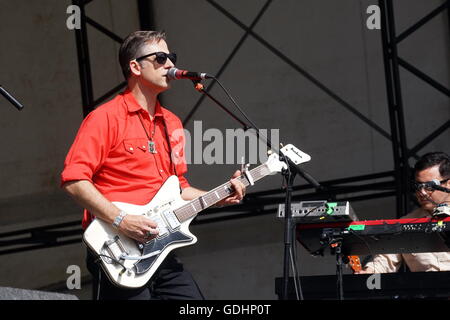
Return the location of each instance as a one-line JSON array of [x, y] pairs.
[[436, 185], [176, 74]]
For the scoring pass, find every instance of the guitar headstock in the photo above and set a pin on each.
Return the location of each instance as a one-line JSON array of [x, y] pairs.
[[274, 165], [296, 155], [354, 263]]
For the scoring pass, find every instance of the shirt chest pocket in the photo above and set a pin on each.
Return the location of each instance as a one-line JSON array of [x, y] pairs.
[[137, 156]]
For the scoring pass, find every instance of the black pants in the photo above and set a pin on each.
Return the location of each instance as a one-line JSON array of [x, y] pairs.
[[170, 282]]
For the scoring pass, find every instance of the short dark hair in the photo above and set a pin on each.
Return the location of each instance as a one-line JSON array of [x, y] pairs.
[[432, 159], [132, 45]]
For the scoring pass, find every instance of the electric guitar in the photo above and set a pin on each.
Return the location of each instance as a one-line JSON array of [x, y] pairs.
[[131, 264]]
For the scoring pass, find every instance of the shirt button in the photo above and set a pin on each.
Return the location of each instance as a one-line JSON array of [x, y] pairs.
[[131, 149], [160, 170]]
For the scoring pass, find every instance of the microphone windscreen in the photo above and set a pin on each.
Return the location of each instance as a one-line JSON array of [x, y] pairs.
[[172, 73], [436, 182]]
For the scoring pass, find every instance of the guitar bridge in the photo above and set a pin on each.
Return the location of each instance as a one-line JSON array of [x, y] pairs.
[[115, 250]]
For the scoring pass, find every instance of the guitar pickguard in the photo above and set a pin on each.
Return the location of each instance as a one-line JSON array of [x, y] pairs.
[[159, 244]]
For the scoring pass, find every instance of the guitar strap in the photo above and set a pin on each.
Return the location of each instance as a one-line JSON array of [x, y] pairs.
[[151, 143], [166, 131]]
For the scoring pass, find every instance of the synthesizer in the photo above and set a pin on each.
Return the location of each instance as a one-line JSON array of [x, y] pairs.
[[377, 236], [319, 211]]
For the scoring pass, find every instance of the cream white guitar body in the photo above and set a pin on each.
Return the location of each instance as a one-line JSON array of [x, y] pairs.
[[131, 264], [106, 241]]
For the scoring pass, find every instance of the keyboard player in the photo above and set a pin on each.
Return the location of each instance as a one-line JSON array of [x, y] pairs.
[[431, 170]]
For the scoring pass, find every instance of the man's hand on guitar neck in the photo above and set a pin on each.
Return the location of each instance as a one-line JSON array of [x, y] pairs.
[[239, 191], [192, 193]]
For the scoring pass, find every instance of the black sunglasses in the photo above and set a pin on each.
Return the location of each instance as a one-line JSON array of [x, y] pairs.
[[428, 185], [161, 57]]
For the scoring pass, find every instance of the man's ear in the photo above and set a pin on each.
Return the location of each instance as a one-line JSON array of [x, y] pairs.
[[135, 67]]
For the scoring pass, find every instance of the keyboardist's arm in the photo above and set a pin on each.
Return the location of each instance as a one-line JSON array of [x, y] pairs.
[[383, 263]]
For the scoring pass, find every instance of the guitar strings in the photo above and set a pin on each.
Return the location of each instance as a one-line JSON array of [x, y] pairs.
[[185, 212]]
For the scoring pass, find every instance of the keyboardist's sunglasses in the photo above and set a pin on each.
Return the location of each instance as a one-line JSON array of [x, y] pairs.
[[160, 57], [428, 185]]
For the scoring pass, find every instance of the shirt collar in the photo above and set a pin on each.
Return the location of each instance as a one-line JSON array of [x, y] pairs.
[[134, 106]]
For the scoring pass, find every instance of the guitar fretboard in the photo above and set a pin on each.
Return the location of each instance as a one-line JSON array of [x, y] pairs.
[[209, 199]]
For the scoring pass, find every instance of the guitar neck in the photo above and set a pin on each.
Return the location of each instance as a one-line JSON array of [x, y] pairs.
[[209, 199]]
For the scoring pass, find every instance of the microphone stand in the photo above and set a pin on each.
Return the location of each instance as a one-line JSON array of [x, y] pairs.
[[288, 175], [11, 99], [200, 88]]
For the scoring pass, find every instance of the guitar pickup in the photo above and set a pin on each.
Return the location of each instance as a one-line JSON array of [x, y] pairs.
[[172, 220], [163, 231]]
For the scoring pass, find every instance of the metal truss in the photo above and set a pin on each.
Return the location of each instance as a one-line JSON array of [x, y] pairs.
[[40, 237], [392, 64], [401, 152], [358, 188], [254, 205], [69, 233], [84, 64]]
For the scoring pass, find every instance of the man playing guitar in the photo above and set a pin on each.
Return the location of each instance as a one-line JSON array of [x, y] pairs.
[[125, 151]]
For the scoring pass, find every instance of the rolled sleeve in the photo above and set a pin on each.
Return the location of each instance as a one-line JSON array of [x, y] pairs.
[[75, 172], [385, 263], [183, 182], [89, 149]]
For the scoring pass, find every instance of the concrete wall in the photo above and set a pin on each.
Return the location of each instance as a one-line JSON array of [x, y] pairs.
[[327, 39]]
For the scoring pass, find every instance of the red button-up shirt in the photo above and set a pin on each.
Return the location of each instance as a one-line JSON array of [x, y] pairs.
[[111, 151]]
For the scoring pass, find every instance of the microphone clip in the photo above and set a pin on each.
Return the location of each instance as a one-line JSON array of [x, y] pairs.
[[198, 85]]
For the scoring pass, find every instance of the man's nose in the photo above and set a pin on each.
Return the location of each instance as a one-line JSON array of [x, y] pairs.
[[169, 63]]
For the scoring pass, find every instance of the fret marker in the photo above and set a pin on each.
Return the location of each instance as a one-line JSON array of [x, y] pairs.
[[204, 204]]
